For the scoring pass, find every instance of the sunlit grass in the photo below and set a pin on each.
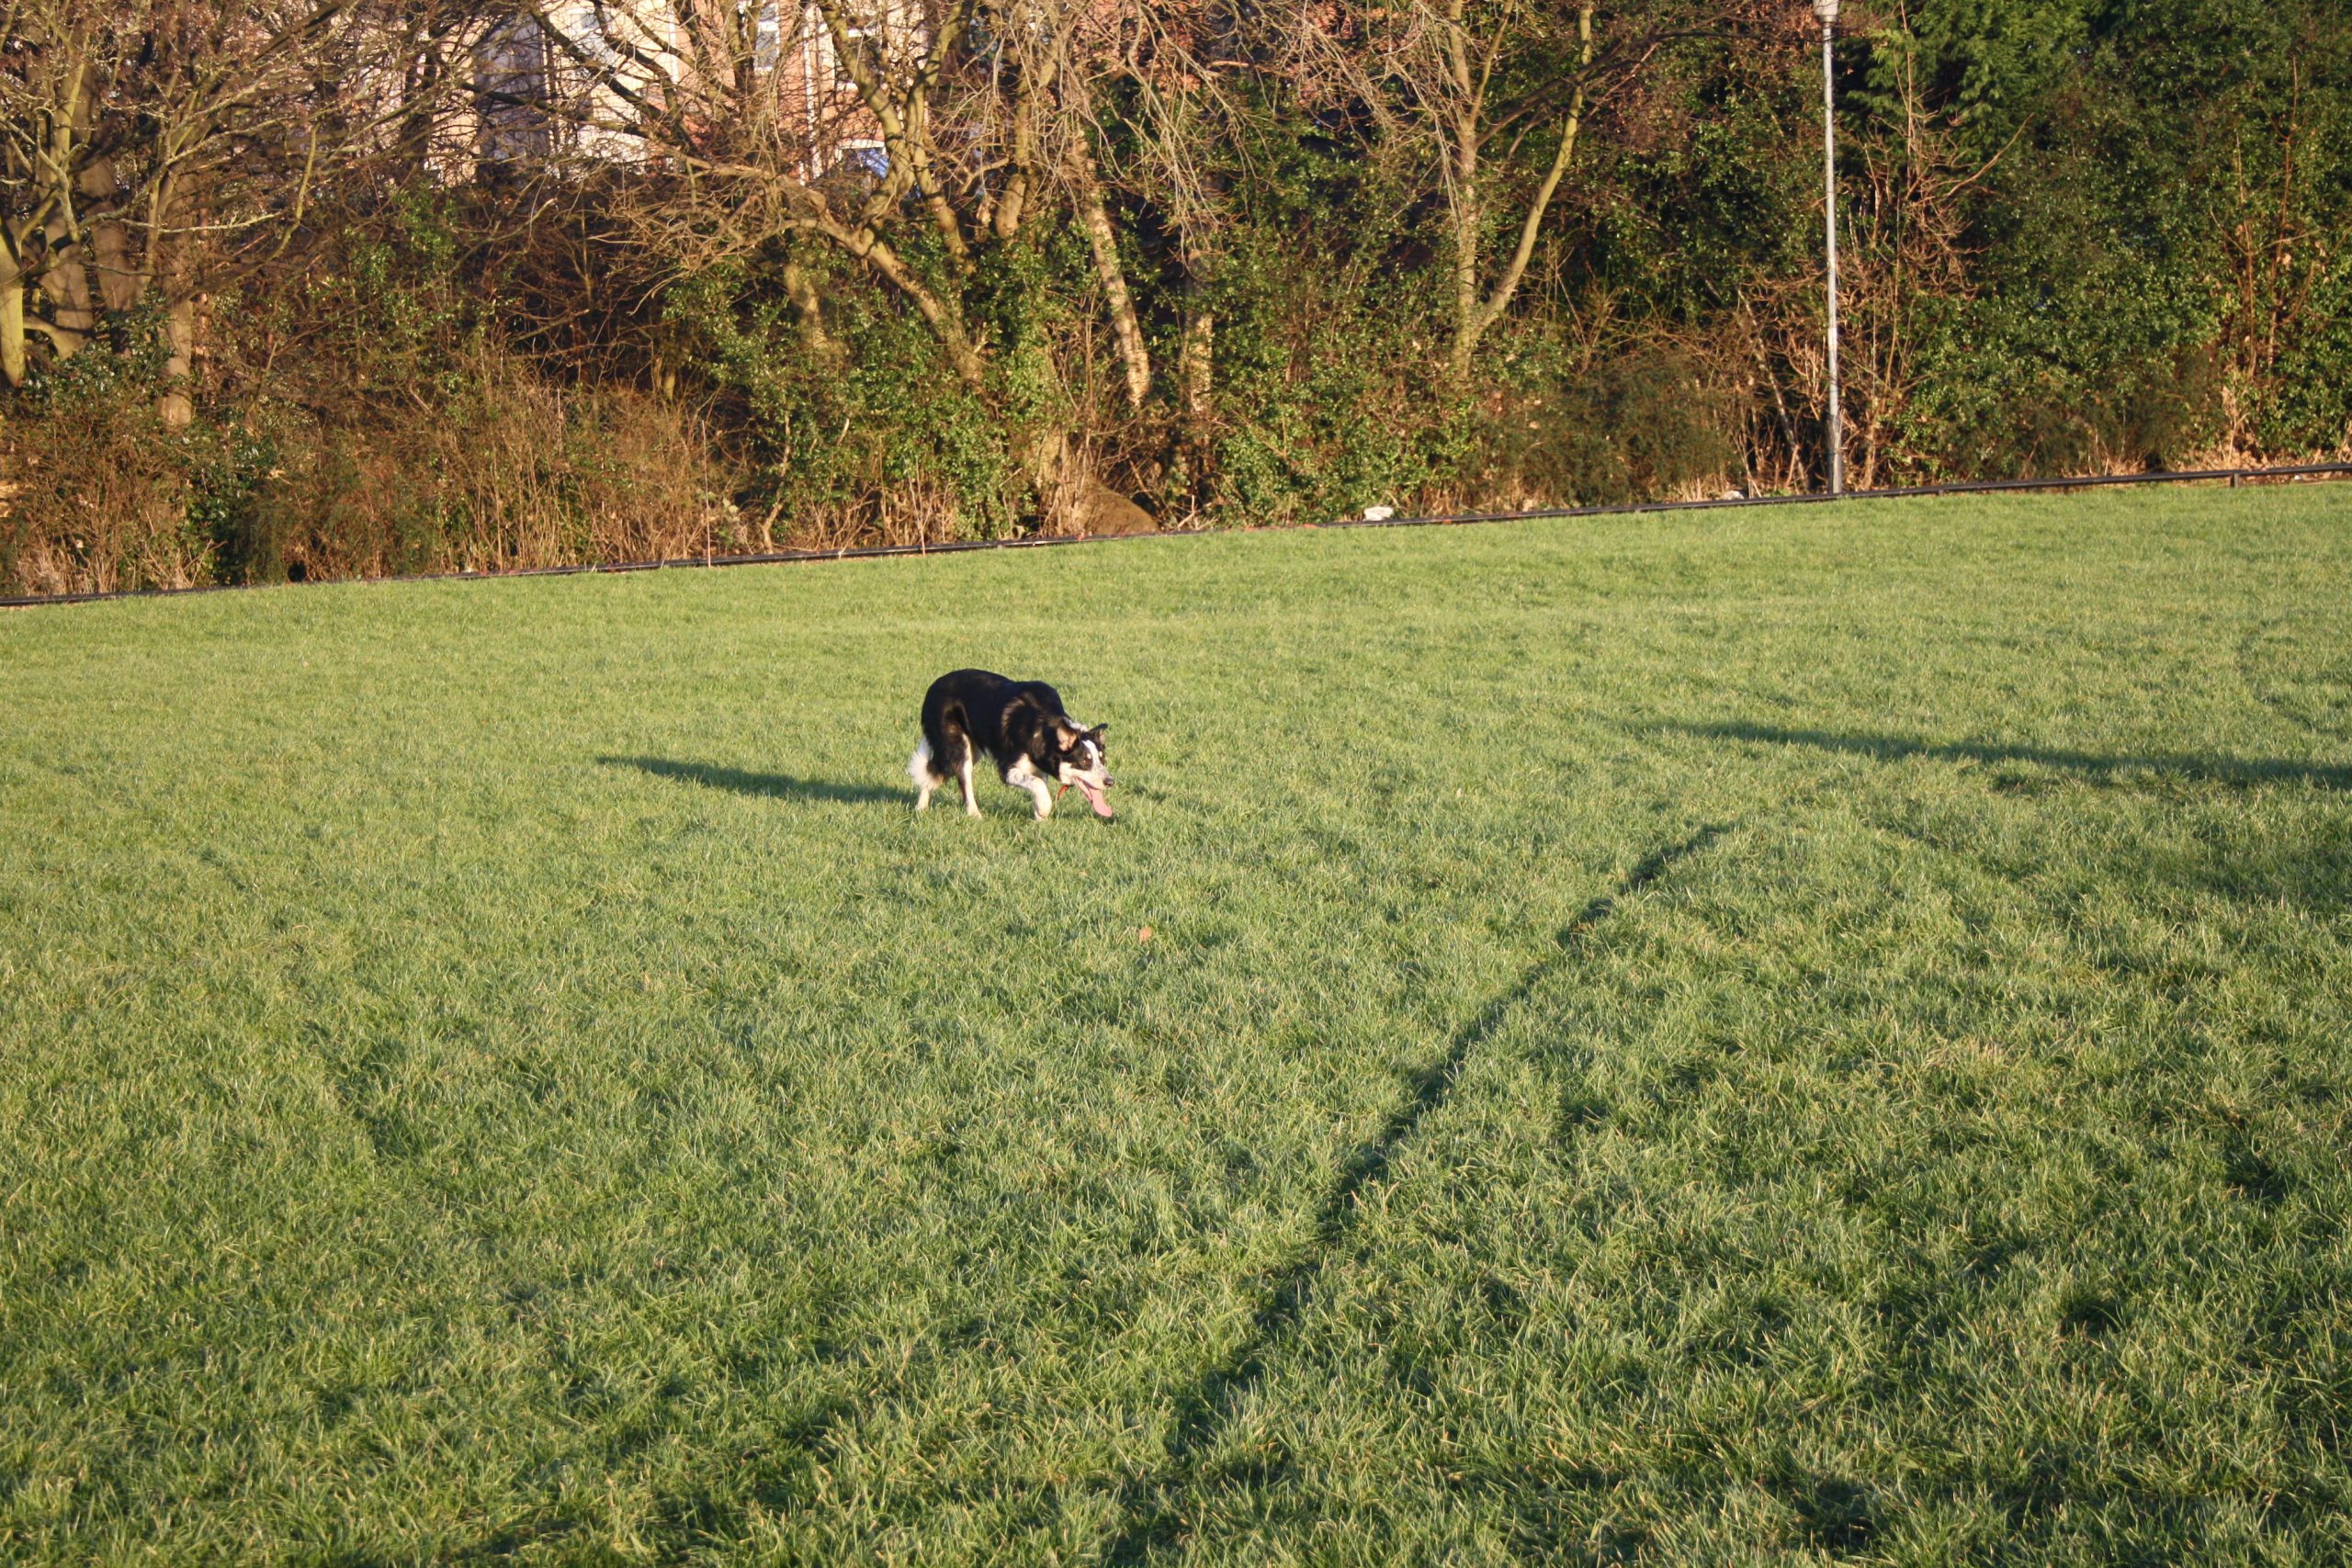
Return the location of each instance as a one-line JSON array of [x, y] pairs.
[[1749, 1036]]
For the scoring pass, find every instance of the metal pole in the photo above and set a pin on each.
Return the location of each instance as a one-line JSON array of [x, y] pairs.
[[1828, 11]]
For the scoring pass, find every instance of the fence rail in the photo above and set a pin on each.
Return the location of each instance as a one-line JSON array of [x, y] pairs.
[[2234, 477]]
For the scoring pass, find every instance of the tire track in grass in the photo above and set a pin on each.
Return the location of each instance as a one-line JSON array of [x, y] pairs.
[[1210, 1403]]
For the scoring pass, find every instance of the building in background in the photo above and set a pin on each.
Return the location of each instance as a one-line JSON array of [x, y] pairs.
[[633, 81]]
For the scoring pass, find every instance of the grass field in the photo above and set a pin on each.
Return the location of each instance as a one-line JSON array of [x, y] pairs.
[[1744, 1037]]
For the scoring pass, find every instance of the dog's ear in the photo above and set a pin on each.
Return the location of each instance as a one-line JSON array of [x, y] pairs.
[[1098, 732], [1065, 735]]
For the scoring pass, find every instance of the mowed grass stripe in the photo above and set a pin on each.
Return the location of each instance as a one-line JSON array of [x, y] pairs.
[[497, 1074]]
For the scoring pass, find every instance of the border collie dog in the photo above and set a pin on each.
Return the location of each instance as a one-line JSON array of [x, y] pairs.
[[1022, 728]]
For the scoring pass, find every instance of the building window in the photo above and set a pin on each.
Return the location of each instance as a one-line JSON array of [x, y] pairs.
[[767, 36]]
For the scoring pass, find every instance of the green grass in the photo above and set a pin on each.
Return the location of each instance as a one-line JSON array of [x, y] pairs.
[[1747, 1037]]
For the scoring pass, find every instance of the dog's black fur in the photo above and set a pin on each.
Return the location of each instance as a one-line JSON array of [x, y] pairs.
[[1020, 725]]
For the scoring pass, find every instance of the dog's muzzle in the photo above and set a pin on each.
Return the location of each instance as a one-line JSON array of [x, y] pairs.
[[1094, 797]]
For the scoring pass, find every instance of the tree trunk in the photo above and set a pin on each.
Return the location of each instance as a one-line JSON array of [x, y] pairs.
[[941, 314], [808, 311], [12, 323], [66, 279], [1134, 356], [177, 406], [1476, 314], [118, 281], [1200, 343], [1195, 362], [1468, 219]]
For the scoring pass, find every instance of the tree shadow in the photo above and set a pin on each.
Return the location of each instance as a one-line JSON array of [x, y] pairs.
[[1209, 1403], [776, 786], [2238, 772]]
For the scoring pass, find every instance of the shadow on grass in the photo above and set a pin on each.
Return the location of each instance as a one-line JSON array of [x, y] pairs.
[[1204, 1407], [2238, 772], [776, 787]]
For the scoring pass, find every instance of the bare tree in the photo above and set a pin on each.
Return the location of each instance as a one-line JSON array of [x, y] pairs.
[[151, 150], [1464, 89], [1182, 111], [914, 143]]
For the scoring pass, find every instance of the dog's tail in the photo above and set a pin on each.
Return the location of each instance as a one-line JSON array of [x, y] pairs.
[[918, 765]]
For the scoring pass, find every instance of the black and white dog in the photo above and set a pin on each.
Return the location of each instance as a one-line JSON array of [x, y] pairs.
[[1021, 727]]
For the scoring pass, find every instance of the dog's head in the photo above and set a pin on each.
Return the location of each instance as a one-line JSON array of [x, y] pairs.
[[1079, 759]]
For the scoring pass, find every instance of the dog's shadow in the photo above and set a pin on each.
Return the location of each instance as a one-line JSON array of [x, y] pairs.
[[776, 786]]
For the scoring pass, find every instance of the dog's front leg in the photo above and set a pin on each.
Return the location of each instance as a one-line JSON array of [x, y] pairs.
[[1019, 777]]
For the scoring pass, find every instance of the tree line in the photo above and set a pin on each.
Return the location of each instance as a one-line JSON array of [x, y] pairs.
[[335, 287]]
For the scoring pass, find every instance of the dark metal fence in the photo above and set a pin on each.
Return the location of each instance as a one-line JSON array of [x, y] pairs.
[[2233, 477]]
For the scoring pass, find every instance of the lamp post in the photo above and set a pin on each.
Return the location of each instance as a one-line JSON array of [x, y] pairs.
[[1826, 10]]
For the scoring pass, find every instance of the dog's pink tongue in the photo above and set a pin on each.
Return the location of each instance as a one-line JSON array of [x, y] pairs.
[[1094, 798]]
